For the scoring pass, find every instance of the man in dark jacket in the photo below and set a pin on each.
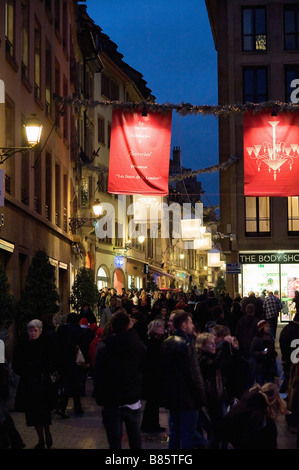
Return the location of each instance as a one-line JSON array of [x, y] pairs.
[[183, 384], [118, 381]]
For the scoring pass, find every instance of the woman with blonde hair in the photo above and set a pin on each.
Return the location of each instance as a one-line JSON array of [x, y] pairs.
[[251, 423]]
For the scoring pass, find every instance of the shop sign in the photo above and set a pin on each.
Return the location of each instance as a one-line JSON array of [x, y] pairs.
[[268, 258], [119, 261], [233, 268]]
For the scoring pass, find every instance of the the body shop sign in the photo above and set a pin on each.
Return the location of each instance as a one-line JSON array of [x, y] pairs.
[[269, 258]]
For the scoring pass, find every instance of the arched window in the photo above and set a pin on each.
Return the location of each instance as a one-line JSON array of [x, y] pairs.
[[102, 278]]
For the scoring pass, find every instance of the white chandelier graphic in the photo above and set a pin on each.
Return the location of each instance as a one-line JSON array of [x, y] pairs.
[[274, 154]]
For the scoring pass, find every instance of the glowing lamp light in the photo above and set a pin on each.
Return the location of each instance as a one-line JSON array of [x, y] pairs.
[[33, 129], [146, 208], [190, 228], [97, 208], [214, 258], [203, 243]]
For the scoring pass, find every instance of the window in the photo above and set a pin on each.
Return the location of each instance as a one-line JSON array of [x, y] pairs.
[[25, 44], [255, 84], [254, 29], [257, 216], [65, 30], [37, 60], [109, 87], [109, 135], [57, 16], [291, 73], [293, 215], [9, 27], [102, 278], [48, 77], [57, 194], [291, 27], [101, 129], [57, 91], [65, 110], [49, 180]]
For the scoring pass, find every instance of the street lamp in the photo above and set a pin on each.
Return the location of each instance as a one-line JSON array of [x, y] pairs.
[[33, 130], [77, 222]]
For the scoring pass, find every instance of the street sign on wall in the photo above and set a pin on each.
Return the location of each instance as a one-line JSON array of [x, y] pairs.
[[233, 268]]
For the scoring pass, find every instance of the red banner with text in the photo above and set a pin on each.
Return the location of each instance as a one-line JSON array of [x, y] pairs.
[[271, 154], [139, 153]]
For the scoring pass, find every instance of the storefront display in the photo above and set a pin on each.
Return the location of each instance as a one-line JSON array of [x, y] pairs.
[[272, 271]]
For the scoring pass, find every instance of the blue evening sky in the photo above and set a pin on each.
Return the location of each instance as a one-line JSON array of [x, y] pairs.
[[170, 43]]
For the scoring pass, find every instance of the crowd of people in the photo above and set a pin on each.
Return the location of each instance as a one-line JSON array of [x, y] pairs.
[[210, 360]]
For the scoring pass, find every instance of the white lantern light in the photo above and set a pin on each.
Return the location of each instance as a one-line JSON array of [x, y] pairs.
[[204, 242], [146, 208], [190, 228], [214, 258], [33, 130], [97, 208]]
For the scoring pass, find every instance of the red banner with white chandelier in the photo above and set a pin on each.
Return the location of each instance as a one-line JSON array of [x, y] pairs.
[[139, 153], [271, 154]]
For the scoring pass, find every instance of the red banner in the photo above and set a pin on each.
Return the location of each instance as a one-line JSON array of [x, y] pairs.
[[271, 154], [139, 153]]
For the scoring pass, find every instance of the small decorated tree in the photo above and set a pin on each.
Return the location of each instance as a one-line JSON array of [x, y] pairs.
[[84, 289], [40, 294], [7, 303]]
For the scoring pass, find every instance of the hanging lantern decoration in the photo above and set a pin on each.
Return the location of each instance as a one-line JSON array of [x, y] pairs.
[[203, 243], [214, 258], [146, 208], [190, 228]]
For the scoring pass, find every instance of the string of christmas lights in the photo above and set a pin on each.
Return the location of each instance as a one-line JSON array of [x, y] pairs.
[[183, 108]]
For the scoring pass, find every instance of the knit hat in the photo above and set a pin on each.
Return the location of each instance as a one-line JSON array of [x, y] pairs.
[[99, 331], [93, 326], [261, 324], [83, 322]]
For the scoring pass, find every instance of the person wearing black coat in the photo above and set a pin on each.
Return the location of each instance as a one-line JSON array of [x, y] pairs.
[[183, 386], [68, 338], [152, 377], [118, 381], [33, 361], [87, 313]]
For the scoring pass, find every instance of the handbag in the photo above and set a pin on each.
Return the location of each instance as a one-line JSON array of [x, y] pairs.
[[80, 361]]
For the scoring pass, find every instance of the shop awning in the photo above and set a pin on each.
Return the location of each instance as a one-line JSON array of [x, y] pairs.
[[4, 245], [160, 271]]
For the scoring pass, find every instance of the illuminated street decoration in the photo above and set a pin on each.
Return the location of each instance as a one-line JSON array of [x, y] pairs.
[[139, 153], [275, 153], [271, 151]]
